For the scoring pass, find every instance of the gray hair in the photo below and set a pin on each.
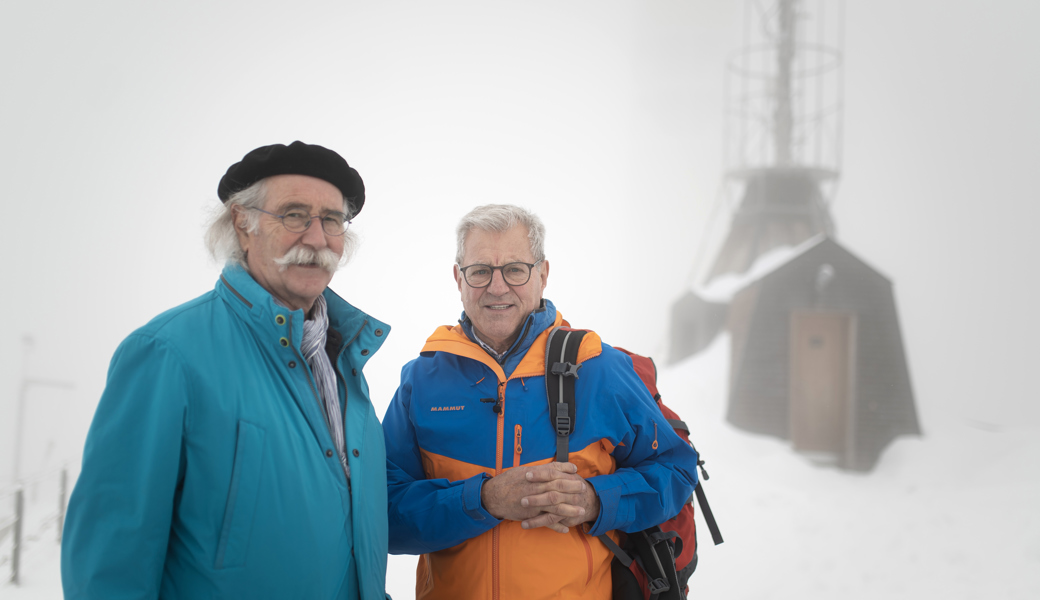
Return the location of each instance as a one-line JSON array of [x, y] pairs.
[[501, 217], [222, 241]]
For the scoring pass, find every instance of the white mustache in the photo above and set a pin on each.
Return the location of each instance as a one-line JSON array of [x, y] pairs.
[[302, 255]]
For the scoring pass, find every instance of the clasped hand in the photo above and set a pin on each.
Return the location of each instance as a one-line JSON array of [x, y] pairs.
[[551, 495]]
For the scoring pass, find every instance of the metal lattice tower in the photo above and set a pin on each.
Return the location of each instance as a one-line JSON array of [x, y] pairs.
[[783, 142]]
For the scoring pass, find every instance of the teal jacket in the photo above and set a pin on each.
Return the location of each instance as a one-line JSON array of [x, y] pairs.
[[209, 471]]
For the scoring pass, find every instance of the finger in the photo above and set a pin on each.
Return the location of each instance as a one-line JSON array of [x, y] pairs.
[[544, 520], [564, 505], [560, 486], [552, 472], [549, 499], [573, 521]]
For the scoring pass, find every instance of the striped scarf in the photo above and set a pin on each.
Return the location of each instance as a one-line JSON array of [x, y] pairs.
[[315, 331]]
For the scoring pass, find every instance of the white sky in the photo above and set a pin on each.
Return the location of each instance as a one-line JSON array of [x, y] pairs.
[[118, 118]]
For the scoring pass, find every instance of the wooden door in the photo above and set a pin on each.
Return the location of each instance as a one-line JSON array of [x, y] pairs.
[[820, 381]]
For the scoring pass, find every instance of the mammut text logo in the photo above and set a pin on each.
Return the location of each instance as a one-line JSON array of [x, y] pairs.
[[444, 408]]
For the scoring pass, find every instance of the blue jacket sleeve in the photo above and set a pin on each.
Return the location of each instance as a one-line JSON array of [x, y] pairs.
[[119, 515], [656, 470], [425, 515]]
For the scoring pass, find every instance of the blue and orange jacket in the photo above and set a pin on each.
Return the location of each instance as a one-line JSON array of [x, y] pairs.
[[444, 440]]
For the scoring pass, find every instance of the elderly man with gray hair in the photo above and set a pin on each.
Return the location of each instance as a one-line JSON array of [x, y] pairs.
[[235, 452], [474, 486]]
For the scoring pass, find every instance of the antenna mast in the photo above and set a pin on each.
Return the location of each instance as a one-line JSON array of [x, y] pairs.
[[783, 144]]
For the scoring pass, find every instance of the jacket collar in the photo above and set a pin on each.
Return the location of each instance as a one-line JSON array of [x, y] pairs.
[[256, 305], [538, 321]]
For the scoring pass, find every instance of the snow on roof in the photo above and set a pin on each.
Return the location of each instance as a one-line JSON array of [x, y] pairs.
[[722, 289]]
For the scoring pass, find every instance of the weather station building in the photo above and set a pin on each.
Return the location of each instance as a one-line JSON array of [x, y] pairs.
[[817, 355]]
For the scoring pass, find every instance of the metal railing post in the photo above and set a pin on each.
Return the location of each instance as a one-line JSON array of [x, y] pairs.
[[19, 518], [62, 499]]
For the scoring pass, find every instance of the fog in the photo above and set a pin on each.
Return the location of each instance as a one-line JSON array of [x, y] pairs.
[[118, 119]]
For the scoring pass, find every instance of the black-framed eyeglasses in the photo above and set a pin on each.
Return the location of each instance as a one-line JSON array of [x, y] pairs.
[[297, 221], [514, 273]]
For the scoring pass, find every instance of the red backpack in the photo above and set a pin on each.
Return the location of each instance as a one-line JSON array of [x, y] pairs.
[[656, 562]]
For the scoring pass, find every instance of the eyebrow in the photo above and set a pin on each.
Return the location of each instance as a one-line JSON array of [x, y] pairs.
[[508, 262], [298, 205]]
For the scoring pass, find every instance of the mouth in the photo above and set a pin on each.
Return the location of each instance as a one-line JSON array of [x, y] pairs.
[[498, 306], [305, 266]]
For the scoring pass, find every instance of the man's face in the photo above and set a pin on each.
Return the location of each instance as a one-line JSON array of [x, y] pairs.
[[498, 310], [295, 285]]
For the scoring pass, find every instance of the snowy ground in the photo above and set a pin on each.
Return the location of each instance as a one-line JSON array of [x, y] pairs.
[[950, 515]]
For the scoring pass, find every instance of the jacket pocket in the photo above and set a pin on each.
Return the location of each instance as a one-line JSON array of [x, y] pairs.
[[241, 499]]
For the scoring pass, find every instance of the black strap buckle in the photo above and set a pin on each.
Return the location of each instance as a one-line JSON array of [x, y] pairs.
[[565, 369], [563, 422], [658, 585]]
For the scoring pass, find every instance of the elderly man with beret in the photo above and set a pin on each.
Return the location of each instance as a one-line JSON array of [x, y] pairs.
[[235, 452]]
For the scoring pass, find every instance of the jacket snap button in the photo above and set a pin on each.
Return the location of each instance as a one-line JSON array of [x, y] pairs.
[[284, 342], [292, 364], [356, 453], [280, 319], [328, 453], [379, 332], [353, 372], [364, 352]]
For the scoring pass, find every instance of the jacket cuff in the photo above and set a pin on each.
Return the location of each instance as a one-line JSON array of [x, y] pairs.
[[609, 488], [471, 498]]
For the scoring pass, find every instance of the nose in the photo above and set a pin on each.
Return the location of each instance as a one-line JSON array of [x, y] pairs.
[[314, 235], [498, 285]]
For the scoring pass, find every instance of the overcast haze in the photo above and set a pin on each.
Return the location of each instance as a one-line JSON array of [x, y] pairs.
[[118, 119]]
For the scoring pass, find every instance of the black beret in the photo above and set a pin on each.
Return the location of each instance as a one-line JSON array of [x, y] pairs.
[[295, 159]]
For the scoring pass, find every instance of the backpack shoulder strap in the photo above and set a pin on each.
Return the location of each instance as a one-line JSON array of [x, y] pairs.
[[709, 517], [561, 370]]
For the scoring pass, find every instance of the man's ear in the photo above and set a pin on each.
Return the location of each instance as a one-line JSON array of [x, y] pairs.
[[239, 218], [458, 276]]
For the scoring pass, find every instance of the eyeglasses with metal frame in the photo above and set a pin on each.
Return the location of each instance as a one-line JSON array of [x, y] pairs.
[[297, 221], [514, 273]]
